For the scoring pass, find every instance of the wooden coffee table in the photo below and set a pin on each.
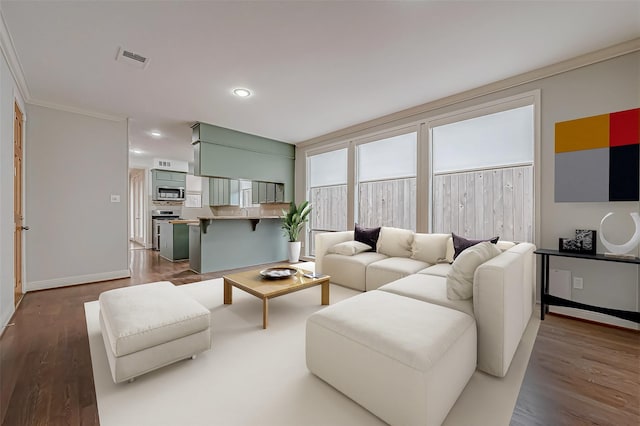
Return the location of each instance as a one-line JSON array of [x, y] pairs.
[[253, 283]]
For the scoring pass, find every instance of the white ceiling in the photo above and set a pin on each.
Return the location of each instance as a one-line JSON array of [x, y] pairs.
[[314, 67]]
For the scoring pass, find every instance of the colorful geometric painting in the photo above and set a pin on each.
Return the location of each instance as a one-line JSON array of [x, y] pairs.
[[598, 158]]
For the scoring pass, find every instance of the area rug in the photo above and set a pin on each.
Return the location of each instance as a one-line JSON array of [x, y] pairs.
[[253, 376]]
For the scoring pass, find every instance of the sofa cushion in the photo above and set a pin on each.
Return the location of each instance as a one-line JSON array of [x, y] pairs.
[[368, 236], [460, 279], [430, 248], [395, 242], [461, 243], [349, 248], [505, 245], [146, 315], [439, 269], [390, 269], [349, 271], [428, 288], [398, 327]]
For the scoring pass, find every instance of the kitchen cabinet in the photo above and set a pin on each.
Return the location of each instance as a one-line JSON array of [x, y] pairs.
[[220, 152], [224, 192], [174, 241], [267, 192]]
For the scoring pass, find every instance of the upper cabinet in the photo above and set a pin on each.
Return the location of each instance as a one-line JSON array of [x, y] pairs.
[[225, 153], [267, 192], [224, 192]]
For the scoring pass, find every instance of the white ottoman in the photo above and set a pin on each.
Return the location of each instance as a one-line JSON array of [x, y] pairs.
[[405, 360], [148, 326]]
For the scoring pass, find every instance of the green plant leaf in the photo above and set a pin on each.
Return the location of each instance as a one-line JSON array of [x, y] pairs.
[[293, 220]]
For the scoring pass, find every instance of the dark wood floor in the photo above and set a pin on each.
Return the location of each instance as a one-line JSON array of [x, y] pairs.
[[579, 373]]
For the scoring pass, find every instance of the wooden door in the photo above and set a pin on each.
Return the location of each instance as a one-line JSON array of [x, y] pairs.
[[17, 203]]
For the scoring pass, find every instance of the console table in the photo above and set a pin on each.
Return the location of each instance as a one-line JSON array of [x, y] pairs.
[[547, 299]]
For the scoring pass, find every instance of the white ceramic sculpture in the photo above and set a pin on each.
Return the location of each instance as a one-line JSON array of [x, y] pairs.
[[629, 245]]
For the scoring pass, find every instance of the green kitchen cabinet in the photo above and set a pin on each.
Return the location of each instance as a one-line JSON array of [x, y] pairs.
[[224, 192], [220, 152], [174, 241], [267, 192], [168, 178]]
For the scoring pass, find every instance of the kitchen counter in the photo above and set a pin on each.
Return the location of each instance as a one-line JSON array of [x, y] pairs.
[[206, 220], [179, 221], [237, 217]]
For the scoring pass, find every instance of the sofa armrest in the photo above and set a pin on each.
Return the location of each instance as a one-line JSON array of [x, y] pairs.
[[502, 306], [325, 241]]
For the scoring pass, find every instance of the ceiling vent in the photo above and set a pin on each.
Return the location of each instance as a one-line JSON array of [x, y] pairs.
[[132, 58]]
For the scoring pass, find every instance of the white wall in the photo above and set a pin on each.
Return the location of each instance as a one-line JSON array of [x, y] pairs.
[[74, 164], [8, 95], [607, 86]]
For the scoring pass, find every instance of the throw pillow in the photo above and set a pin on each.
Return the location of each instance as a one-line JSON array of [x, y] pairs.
[[368, 236], [460, 278], [395, 242], [429, 248], [349, 248], [461, 243]]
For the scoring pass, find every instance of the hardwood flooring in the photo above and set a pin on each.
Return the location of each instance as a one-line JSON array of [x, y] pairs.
[[579, 373]]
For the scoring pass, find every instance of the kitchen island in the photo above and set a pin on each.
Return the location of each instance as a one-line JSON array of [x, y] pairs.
[[174, 239], [218, 243]]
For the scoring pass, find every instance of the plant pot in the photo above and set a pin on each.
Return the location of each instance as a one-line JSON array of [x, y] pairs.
[[294, 251]]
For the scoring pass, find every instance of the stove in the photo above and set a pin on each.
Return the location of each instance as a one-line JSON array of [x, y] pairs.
[[157, 217]]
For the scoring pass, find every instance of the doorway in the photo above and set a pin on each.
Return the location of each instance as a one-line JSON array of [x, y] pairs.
[[17, 204], [137, 216]]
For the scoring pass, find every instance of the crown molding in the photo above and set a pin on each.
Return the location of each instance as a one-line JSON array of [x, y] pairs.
[[610, 52], [10, 55], [77, 110]]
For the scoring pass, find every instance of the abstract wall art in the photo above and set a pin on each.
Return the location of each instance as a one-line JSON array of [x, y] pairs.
[[598, 158]]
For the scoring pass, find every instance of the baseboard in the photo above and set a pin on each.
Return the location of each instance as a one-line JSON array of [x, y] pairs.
[[6, 317], [77, 279], [593, 317]]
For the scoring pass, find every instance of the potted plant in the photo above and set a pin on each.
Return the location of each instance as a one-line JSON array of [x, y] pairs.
[[292, 222]]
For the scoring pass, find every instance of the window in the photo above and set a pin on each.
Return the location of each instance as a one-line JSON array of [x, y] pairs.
[[327, 186], [482, 175], [386, 182]]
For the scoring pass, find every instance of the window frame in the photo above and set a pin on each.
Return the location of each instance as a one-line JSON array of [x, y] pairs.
[[479, 110]]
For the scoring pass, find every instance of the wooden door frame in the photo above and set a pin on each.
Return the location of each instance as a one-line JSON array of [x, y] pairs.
[[18, 203]]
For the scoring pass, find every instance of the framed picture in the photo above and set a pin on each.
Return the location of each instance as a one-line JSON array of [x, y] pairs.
[[584, 242], [570, 245], [587, 239]]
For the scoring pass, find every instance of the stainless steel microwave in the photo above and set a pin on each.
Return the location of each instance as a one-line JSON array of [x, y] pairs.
[[167, 193]]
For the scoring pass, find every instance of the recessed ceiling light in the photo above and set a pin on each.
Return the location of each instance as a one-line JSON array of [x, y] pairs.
[[136, 151], [243, 93], [156, 134]]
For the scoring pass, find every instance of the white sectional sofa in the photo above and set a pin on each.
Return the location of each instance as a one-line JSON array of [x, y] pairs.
[[406, 348]]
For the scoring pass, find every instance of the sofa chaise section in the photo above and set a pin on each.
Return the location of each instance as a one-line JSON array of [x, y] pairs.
[[404, 360]]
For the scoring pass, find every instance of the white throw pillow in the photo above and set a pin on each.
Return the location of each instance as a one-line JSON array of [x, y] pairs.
[[450, 250], [349, 248], [395, 242], [460, 278], [430, 248]]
